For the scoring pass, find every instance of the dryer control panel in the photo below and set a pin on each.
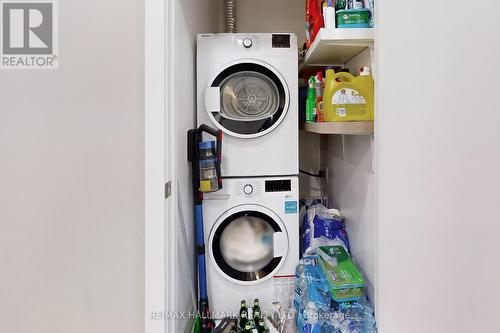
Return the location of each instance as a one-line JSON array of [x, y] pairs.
[[247, 45], [281, 41]]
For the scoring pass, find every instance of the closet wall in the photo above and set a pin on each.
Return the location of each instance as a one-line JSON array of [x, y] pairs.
[[72, 178], [351, 188], [189, 18], [439, 162]]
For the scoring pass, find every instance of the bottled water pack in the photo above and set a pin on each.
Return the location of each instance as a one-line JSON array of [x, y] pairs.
[[317, 312]]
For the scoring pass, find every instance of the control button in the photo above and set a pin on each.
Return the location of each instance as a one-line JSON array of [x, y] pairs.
[[248, 189], [247, 42]]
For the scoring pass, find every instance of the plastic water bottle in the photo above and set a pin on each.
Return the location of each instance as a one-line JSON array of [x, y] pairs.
[[311, 313]]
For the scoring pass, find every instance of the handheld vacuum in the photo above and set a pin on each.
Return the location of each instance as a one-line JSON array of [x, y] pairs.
[[205, 157]]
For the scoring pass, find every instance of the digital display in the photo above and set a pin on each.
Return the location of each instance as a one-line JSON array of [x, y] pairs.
[[281, 41], [282, 185]]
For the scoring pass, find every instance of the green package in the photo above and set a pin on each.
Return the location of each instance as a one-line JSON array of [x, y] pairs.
[[344, 279], [353, 18]]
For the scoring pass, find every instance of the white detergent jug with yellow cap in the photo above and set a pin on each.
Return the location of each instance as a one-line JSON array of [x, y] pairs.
[[348, 98]]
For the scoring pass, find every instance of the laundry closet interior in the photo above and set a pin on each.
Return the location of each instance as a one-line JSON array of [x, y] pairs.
[[337, 160]]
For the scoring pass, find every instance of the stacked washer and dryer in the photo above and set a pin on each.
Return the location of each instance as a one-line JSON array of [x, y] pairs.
[[247, 86]]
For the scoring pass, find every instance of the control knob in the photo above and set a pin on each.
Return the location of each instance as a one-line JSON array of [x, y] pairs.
[[248, 189], [247, 42]]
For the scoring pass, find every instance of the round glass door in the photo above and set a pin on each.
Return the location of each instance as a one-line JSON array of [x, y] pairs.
[[243, 246], [248, 96], [253, 100]]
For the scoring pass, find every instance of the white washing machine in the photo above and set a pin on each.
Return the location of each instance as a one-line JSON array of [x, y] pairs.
[[252, 238], [247, 86]]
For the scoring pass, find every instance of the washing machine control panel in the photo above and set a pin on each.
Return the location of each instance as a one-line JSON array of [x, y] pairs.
[[248, 189], [280, 185], [251, 188]]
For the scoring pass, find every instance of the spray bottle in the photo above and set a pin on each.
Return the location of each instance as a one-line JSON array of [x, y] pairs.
[[311, 101], [319, 80]]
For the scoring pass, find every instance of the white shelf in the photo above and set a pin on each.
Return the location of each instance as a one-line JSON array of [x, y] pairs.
[[348, 128], [338, 46]]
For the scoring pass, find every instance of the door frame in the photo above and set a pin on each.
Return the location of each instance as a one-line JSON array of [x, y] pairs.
[[158, 166]]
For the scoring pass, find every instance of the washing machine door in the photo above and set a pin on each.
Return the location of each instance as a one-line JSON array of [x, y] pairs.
[[247, 99], [248, 244]]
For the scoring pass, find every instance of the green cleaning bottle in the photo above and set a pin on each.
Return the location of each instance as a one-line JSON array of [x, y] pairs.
[[311, 101]]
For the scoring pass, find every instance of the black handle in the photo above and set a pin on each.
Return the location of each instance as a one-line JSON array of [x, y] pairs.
[[208, 129], [195, 136]]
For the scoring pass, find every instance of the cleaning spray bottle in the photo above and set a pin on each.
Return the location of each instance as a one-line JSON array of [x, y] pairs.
[[319, 96], [311, 101]]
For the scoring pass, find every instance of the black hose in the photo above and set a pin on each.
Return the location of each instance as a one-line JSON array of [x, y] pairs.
[[321, 174]]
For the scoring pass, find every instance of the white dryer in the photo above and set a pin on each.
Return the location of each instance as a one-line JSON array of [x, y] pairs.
[[252, 238], [247, 86]]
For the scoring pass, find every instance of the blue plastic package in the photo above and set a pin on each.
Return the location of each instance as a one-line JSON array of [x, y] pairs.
[[330, 227], [323, 227]]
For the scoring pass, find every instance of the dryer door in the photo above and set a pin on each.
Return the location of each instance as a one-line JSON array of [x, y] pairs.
[[248, 244], [247, 99]]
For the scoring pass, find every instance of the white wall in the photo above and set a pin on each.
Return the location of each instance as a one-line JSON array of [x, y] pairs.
[[189, 17], [71, 178], [351, 189], [438, 152], [310, 161], [271, 16]]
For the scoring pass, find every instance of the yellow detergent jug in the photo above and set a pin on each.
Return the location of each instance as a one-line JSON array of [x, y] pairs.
[[348, 98]]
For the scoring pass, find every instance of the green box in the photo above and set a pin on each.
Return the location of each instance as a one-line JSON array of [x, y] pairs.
[[344, 279], [353, 18]]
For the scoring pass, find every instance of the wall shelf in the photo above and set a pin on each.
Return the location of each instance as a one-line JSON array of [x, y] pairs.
[[348, 128], [338, 46]]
